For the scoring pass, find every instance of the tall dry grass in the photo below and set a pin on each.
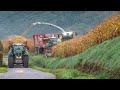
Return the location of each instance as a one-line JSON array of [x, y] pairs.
[[6, 45], [106, 30]]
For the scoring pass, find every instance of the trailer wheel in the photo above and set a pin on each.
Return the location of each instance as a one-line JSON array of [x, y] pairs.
[[10, 62], [36, 50], [25, 61], [41, 50]]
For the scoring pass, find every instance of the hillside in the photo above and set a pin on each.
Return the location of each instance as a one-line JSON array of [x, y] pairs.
[[93, 54], [106, 30], [16, 22], [99, 59]]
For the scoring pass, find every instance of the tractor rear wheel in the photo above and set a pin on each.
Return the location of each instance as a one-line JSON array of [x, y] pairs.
[[10, 62], [25, 61]]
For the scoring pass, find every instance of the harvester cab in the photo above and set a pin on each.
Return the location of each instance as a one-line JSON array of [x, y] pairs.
[[52, 41], [67, 35]]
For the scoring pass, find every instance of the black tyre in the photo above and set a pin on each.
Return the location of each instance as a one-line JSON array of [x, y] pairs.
[[10, 62], [41, 50], [48, 53], [36, 50], [25, 61]]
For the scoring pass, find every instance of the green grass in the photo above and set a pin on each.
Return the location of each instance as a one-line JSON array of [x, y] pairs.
[[102, 59], [67, 73], [52, 63], [63, 73], [105, 55], [3, 69]]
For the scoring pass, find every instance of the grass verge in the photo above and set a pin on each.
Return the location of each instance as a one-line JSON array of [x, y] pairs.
[[3, 69], [71, 74]]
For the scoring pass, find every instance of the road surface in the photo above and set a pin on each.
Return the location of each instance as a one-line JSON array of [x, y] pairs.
[[25, 73]]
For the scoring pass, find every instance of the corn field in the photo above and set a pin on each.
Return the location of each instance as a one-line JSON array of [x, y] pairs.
[[18, 39], [106, 30], [6, 44]]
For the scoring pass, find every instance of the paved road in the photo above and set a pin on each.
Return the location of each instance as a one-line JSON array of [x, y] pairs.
[[25, 73]]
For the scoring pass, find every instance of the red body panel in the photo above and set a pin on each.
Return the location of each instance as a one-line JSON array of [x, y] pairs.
[[38, 39]]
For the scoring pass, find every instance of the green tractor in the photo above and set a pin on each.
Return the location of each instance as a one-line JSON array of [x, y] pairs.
[[18, 54]]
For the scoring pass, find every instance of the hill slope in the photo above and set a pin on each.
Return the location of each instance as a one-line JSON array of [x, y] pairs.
[[102, 58], [106, 30], [16, 22]]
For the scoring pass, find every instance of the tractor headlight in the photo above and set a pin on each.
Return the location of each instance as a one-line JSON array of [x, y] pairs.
[[17, 57], [20, 57]]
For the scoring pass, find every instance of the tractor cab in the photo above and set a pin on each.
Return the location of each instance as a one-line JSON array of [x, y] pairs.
[[18, 47], [18, 54]]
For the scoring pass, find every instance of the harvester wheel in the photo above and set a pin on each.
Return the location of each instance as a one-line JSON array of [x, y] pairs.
[[48, 53], [10, 62], [25, 61]]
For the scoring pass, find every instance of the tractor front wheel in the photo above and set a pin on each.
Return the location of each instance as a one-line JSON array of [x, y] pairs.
[[25, 61], [10, 62]]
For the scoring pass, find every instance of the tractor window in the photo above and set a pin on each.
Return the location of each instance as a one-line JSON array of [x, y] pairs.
[[18, 47]]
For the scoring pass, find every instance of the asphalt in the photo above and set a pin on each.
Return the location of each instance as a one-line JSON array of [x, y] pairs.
[[18, 72], [26, 73]]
